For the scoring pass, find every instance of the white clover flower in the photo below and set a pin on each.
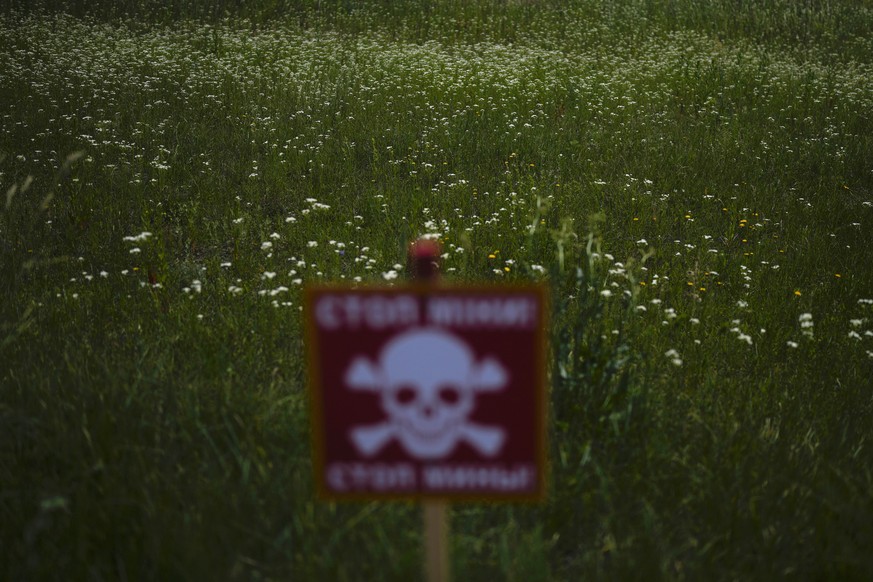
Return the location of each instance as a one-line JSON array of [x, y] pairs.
[[135, 251], [856, 322], [141, 237], [390, 275], [855, 335], [104, 274], [745, 338], [225, 265], [806, 324], [694, 321], [674, 357], [312, 244], [237, 220], [268, 275], [792, 344], [275, 236], [606, 293], [266, 245]]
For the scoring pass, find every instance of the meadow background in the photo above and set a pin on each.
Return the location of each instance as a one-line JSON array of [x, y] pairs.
[[693, 179]]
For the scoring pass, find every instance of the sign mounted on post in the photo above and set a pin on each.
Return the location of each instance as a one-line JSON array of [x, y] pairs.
[[428, 392]]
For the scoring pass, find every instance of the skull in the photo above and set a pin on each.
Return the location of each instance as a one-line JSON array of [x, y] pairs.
[[427, 379]]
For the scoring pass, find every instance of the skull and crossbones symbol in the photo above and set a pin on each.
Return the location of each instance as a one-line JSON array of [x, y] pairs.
[[428, 380]]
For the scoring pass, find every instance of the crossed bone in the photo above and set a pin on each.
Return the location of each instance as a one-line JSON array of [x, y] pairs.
[[370, 439]]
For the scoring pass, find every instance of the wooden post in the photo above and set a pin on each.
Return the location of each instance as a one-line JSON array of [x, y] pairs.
[[423, 265], [436, 540]]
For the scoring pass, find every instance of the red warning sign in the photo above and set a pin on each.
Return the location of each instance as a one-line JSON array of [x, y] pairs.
[[425, 391]]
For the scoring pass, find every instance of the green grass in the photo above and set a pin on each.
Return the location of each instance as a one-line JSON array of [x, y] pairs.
[[691, 178]]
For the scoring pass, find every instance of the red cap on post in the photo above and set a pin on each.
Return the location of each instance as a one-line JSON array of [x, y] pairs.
[[423, 260]]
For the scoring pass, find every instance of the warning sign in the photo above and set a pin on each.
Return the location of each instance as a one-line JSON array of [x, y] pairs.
[[427, 391]]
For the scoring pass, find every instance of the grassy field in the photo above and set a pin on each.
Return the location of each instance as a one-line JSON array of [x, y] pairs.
[[694, 179]]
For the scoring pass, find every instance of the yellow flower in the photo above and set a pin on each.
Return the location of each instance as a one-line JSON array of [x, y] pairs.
[[702, 289], [797, 293], [492, 256], [506, 269], [837, 275]]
